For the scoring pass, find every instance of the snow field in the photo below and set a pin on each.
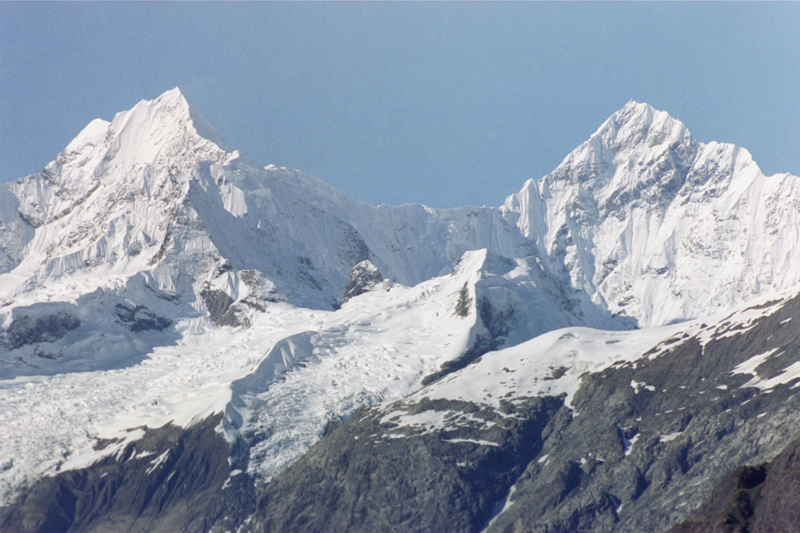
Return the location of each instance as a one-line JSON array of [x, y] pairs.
[[378, 346]]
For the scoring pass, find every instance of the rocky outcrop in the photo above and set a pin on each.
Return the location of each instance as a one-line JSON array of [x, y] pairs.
[[220, 308], [363, 278], [139, 318], [753, 499], [169, 480], [648, 440], [39, 323]]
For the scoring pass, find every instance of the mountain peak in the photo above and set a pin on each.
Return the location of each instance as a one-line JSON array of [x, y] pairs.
[[640, 123], [171, 103], [633, 105], [177, 107], [148, 132], [631, 141], [175, 93], [364, 278]]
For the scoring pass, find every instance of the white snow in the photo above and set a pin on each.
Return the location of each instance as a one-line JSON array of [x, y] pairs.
[[670, 437], [157, 462], [787, 375], [479, 442], [749, 366], [526, 370], [315, 365], [652, 243], [424, 421]]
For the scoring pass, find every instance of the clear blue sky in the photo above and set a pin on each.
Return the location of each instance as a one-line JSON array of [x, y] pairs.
[[441, 103]]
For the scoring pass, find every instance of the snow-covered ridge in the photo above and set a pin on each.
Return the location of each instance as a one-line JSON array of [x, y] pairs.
[[158, 190]]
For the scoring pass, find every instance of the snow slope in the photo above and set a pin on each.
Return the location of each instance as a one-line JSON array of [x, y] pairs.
[[554, 363]]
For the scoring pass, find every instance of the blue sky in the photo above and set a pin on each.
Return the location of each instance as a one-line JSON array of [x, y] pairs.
[[441, 103]]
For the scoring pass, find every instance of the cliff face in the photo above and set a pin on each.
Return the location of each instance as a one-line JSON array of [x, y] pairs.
[[759, 498]]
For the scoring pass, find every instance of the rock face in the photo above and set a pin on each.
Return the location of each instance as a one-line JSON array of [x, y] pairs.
[[753, 499], [41, 323], [169, 480], [373, 474], [139, 318], [647, 441], [364, 278]]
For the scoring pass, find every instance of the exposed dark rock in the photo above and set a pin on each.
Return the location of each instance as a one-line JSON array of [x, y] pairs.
[[730, 506], [220, 308], [139, 318], [363, 278], [373, 475], [163, 248], [753, 499], [779, 506], [170, 480], [464, 303], [496, 321], [30, 221], [40, 323], [654, 437]]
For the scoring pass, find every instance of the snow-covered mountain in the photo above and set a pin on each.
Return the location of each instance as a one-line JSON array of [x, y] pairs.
[[158, 190], [154, 209], [154, 277], [640, 221], [575, 430], [654, 225]]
